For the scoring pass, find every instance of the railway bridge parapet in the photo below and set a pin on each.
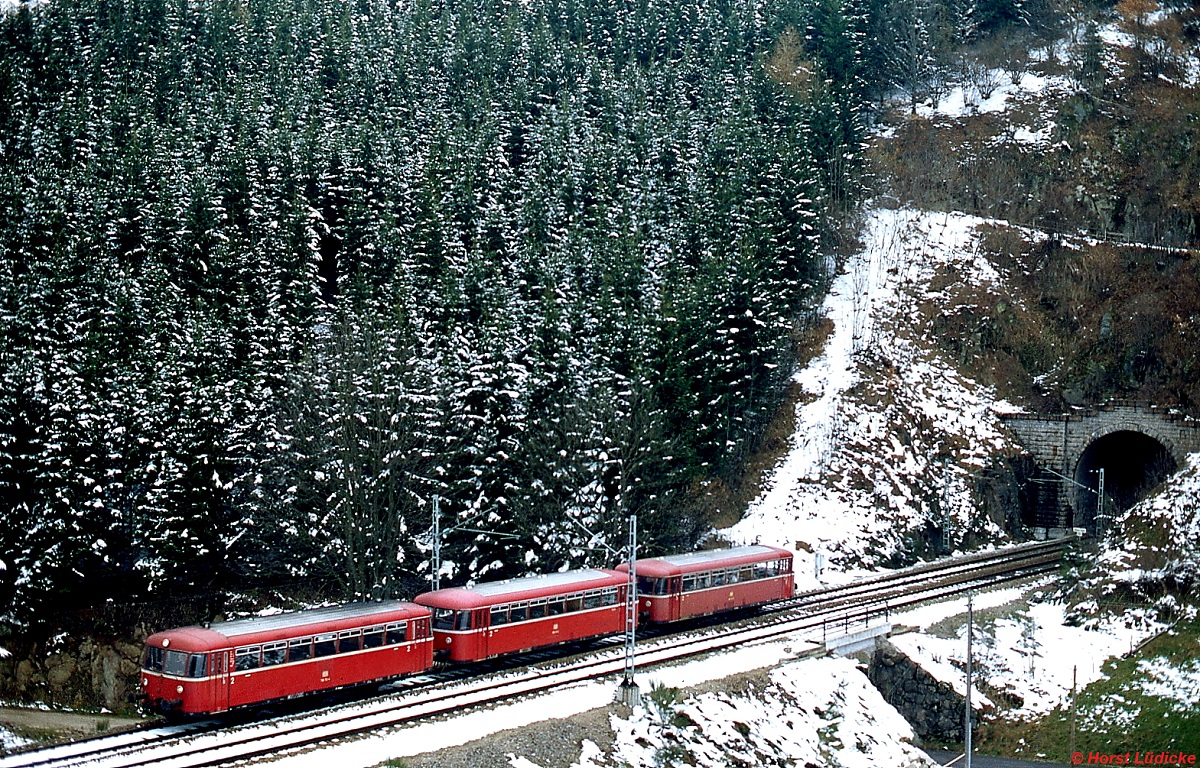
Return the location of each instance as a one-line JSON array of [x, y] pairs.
[[1121, 450]]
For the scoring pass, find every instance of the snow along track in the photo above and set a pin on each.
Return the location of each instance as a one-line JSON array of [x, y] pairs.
[[183, 747]]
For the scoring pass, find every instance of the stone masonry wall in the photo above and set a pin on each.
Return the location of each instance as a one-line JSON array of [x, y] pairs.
[[932, 707], [91, 674], [1058, 442]]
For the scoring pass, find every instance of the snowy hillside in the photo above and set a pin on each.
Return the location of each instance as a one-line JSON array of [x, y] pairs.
[[1150, 555], [890, 435], [818, 711]]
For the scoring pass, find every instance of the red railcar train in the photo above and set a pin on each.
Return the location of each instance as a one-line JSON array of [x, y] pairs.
[[473, 623], [250, 661], [681, 587], [205, 670]]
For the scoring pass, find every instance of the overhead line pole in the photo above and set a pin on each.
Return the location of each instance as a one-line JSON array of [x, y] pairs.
[[628, 691], [967, 713], [436, 555], [1100, 497]]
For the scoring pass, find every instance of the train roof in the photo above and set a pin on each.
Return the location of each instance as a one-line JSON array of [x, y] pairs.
[[190, 639], [257, 629], [526, 588], [692, 562]]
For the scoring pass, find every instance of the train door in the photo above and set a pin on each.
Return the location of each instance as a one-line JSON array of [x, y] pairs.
[[479, 620], [674, 598], [221, 661], [420, 629]]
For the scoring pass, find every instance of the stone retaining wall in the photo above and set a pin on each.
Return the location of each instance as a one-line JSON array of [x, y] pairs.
[[932, 707], [93, 674]]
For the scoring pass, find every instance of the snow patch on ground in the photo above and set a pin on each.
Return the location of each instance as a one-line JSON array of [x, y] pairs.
[[890, 434], [1032, 656], [1156, 678], [926, 616], [10, 741], [1178, 685], [966, 99], [817, 711]]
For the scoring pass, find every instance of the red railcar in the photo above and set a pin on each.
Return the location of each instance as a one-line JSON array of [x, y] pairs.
[[473, 623], [699, 583], [230, 664]]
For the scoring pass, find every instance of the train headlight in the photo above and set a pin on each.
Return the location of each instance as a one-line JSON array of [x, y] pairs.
[[448, 640], [179, 689], [145, 681]]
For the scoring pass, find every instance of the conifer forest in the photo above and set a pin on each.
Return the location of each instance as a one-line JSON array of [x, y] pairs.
[[274, 274]]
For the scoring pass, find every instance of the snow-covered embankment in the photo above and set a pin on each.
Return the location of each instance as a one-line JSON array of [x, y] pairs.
[[889, 433]]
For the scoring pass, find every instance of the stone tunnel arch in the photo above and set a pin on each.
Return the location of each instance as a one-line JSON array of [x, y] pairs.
[[1134, 459], [1138, 445]]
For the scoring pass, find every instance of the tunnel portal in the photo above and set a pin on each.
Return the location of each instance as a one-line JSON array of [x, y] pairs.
[[1132, 462], [1136, 444]]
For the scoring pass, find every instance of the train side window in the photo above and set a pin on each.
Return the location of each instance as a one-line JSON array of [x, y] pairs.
[[246, 658], [609, 596], [785, 566], [396, 633], [499, 615], [572, 604], [760, 570], [153, 659], [689, 583], [350, 641], [718, 578], [443, 618], [591, 600], [325, 645], [537, 610], [300, 650], [746, 573], [518, 612], [373, 637], [554, 608], [274, 653], [462, 620]]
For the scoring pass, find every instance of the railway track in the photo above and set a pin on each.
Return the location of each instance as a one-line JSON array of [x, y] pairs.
[[214, 743]]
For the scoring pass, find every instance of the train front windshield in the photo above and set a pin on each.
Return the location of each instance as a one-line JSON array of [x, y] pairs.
[[448, 620], [651, 586], [175, 663]]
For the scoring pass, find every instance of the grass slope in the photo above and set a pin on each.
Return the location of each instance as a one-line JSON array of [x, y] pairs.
[[1134, 708]]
